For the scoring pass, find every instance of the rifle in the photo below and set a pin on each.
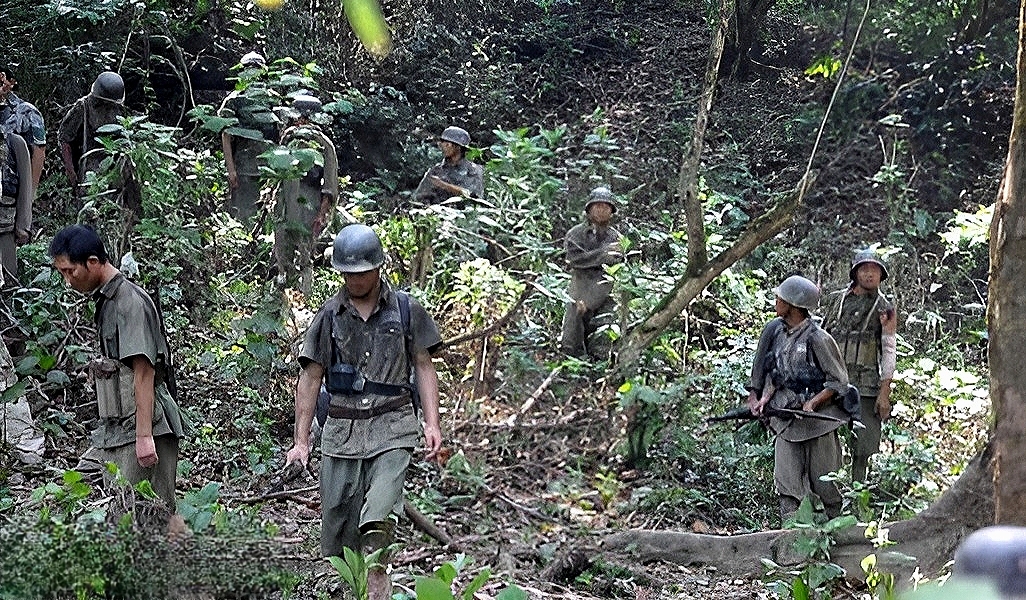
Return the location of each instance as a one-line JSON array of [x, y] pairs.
[[743, 413]]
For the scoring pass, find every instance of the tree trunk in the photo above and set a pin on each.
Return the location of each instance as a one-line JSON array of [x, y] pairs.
[[749, 16], [1006, 313], [927, 541], [687, 180]]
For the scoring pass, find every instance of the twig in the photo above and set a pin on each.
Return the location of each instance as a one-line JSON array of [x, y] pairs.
[[423, 523], [526, 406], [282, 494]]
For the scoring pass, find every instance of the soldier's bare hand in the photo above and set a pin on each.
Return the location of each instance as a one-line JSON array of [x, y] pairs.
[[298, 454], [582, 307], [145, 451], [432, 441]]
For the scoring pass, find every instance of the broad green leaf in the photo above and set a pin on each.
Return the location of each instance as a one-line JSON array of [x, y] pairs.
[[432, 588], [369, 25]]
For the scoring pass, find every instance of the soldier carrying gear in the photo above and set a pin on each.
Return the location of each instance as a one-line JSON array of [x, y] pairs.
[[807, 374], [590, 246], [23, 118], [304, 205], [455, 176], [356, 345], [864, 323], [255, 130], [16, 196], [81, 152]]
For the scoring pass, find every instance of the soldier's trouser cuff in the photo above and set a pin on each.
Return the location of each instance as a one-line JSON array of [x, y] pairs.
[[375, 535]]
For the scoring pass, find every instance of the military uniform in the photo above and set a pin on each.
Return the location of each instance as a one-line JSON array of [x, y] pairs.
[[261, 129], [854, 322], [78, 130], [16, 195], [299, 203], [588, 249], [24, 119], [465, 174], [128, 325], [804, 360], [369, 435]]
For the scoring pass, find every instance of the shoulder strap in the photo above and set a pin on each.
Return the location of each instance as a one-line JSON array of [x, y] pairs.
[[404, 313]]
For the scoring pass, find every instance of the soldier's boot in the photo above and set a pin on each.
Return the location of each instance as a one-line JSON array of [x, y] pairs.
[[374, 536]]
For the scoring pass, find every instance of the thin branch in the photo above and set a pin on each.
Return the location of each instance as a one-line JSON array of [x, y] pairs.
[[480, 333]]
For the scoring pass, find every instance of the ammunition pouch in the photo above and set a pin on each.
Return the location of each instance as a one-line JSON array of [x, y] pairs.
[[344, 378], [8, 213], [115, 387]]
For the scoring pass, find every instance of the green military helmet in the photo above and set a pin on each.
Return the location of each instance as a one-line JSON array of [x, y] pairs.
[[798, 291], [252, 60], [867, 256], [357, 249], [456, 135], [600, 194], [109, 86], [997, 554], [306, 104]]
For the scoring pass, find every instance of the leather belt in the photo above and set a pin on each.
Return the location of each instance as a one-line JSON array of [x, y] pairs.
[[346, 412]]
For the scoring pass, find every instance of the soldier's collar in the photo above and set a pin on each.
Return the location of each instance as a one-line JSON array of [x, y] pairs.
[[109, 289]]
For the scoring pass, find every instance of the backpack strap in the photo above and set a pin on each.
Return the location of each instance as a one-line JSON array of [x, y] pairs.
[[403, 300]]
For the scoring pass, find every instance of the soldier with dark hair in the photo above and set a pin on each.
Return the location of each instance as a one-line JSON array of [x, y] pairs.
[[304, 205], [807, 375], [863, 322], [81, 152], [364, 344], [140, 423], [24, 119], [455, 176]]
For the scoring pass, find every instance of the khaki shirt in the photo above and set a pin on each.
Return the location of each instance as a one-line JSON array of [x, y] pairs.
[[377, 347], [127, 325], [795, 349], [465, 174], [86, 115], [853, 320], [588, 249]]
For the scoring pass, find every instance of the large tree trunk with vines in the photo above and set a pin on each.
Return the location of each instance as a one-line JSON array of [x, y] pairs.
[[1006, 314]]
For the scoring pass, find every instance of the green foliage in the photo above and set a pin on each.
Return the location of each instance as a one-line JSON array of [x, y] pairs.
[[816, 577], [825, 65]]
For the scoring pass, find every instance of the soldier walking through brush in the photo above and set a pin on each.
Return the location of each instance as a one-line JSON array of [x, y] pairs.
[[364, 344], [81, 152], [590, 246], [140, 423], [805, 368], [304, 205], [24, 119], [864, 323], [16, 196]]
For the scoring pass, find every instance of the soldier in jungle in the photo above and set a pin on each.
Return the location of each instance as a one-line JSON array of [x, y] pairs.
[[140, 423], [81, 152], [455, 176], [252, 105], [364, 344], [806, 373], [24, 119], [16, 196], [591, 246], [864, 323], [304, 205]]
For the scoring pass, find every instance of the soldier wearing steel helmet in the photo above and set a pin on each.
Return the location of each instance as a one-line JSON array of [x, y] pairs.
[[81, 151], [304, 205], [864, 323], [255, 129], [807, 374], [363, 345], [590, 247], [455, 176]]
